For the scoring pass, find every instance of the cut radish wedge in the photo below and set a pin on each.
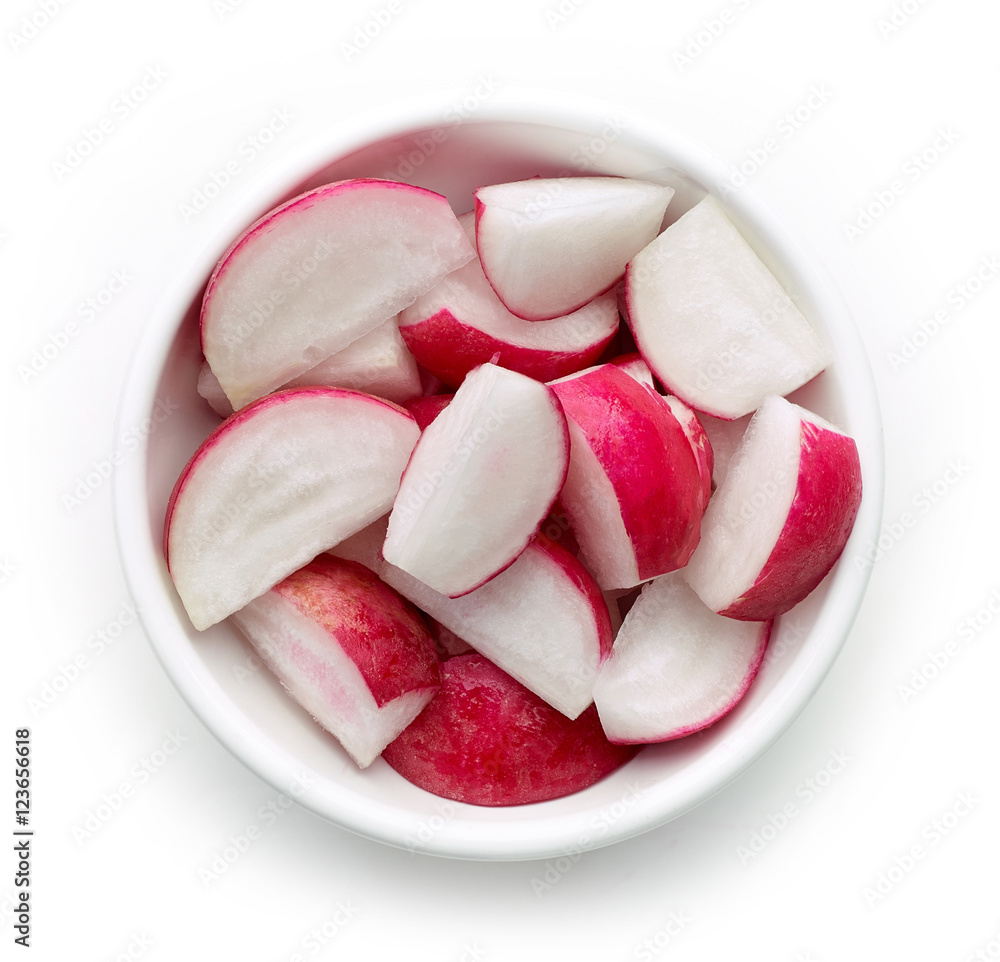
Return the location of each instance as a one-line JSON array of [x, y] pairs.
[[274, 485], [634, 494], [462, 323], [348, 649], [317, 273], [487, 740], [543, 620], [712, 322], [781, 517], [550, 245], [480, 482], [676, 666]]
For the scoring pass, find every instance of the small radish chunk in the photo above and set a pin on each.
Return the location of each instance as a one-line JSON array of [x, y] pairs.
[[780, 518], [317, 273], [543, 620], [712, 322], [462, 323], [676, 666], [377, 363], [486, 740], [480, 482], [549, 245], [271, 487], [348, 649], [634, 494], [426, 409]]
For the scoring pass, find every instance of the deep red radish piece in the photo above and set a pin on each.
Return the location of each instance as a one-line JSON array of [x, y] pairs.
[[633, 365], [318, 272], [676, 666], [634, 494], [486, 740], [549, 245], [377, 363], [712, 322], [480, 481], [781, 517], [461, 324], [348, 649], [542, 620], [272, 486], [426, 409]]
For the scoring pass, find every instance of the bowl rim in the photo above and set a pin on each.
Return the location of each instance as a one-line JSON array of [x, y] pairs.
[[542, 834]]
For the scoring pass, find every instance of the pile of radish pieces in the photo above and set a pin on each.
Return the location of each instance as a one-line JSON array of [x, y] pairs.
[[502, 497]]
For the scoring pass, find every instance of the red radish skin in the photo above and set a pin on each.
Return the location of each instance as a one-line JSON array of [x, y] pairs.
[[826, 502], [652, 472], [426, 409], [780, 519], [348, 649], [318, 272], [486, 740], [280, 481]]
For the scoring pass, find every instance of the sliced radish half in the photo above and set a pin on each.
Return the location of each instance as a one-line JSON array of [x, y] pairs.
[[549, 245], [542, 620], [317, 273], [461, 324], [348, 649], [271, 487], [711, 320], [487, 740], [676, 666], [480, 482], [634, 494], [780, 518]]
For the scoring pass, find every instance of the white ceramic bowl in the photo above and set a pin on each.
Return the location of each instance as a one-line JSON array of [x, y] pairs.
[[248, 710]]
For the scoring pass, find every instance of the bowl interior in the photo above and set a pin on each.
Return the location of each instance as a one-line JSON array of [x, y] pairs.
[[245, 706]]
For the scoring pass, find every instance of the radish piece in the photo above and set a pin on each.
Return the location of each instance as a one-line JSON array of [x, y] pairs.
[[634, 495], [542, 620], [480, 482], [550, 245], [426, 409], [348, 649], [446, 642], [487, 740], [211, 390], [712, 322], [274, 485], [377, 363], [462, 323], [781, 517], [676, 666], [318, 272]]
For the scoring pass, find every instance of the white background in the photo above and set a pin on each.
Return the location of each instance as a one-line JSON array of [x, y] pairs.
[[835, 881]]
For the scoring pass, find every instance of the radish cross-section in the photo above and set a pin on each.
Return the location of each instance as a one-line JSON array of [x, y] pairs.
[[480, 482], [274, 485]]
